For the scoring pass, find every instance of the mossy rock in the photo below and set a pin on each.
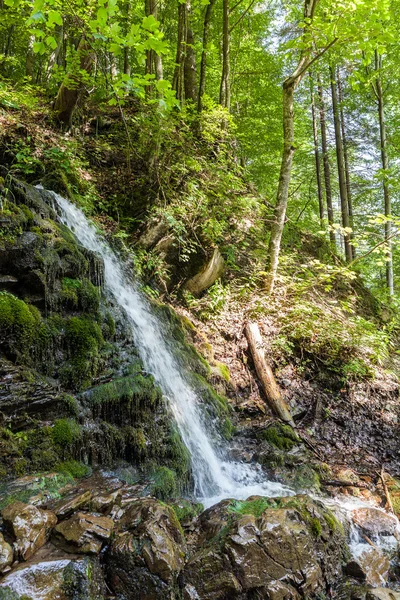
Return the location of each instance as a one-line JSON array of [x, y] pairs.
[[20, 326], [281, 436], [165, 484]]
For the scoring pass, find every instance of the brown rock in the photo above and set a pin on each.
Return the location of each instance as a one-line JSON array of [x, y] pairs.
[[148, 553], [85, 533], [60, 579], [371, 567], [104, 503], [30, 525], [67, 506], [375, 522], [381, 593], [6, 554]]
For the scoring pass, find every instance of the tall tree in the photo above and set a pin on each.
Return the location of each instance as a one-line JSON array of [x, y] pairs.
[[316, 151], [346, 159], [340, 167], [378, 90], [289, 87], [327, 168], [225, 90], [203, 64]]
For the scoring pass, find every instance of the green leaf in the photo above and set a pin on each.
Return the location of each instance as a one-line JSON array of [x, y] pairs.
[[54, 17]]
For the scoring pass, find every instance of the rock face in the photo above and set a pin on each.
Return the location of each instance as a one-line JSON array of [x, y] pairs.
[[85, 532], [30, 525], [63, 579], [6, 554], [209, 274], [371, 567], [375, 522], [248, 550], [148, 553]]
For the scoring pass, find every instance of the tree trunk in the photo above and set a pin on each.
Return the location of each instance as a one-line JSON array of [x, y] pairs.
[[289, 87], [30, 59], [71, 88], [327, 168], [190, 70], [385, 167], [346, 162], [340, 166], [54, 56], [272, 392], [225, 89], [316, 153], [178, 83], [203, 65]]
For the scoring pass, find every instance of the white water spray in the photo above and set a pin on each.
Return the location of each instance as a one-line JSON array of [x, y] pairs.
[[215, 476]]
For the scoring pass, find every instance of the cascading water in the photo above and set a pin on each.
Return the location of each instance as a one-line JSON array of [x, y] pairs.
[[215, 476]]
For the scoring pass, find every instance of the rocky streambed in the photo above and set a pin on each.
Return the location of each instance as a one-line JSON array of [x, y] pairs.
[[104, 538]]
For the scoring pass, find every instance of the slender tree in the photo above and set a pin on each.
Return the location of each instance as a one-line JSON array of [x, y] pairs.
[[340, 167], [378, 90], [327, 168], [289, 87], [225, 89], [203, 64], [316, 152], [346, 159]]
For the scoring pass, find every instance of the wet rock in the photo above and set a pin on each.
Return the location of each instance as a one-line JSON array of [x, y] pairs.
[[104, 503], [147, 553], [371, 567], [30, 525], [6, 554], [381, 593], [84, 533], [209, 274], [65, 579], [67, 506], [375, 522], [291, 549]]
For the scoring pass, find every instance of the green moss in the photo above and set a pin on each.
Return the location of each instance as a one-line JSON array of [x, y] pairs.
[[80, 294], [178, 456], [315, 526], [165, 483], [186, 511], [19, 325], [281, 436], [66, 432], [227, 428], [71, 404], [83, 341], [76, 469], [108, 326], [251, 507], [136, 388], [224, 371]]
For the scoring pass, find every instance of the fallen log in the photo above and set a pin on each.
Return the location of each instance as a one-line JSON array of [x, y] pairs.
[[386, 491], [266, 376], [338, 483]]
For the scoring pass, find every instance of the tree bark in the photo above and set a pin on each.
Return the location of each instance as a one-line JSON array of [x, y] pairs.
[[71, 88], [289, 87], [178, 83], [316, 153], [203, 64], [385, 166], [340, 166], [272, 392], [327, 168], [346, 162], [225, 88], [190, 70]]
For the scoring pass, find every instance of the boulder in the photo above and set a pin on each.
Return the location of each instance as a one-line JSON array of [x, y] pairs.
[[209, 274], [6, 554], [284, 548], [104, 503], [147, 553], [381, 593], [31, 527], [371, 567], [63, 579], [84, 533], [67, 506], [375, 522]]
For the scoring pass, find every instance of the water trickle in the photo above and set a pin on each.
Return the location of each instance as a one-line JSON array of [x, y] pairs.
[[215, 476]]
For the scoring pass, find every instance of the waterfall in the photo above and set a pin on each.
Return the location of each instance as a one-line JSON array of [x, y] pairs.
[[215, 476]]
